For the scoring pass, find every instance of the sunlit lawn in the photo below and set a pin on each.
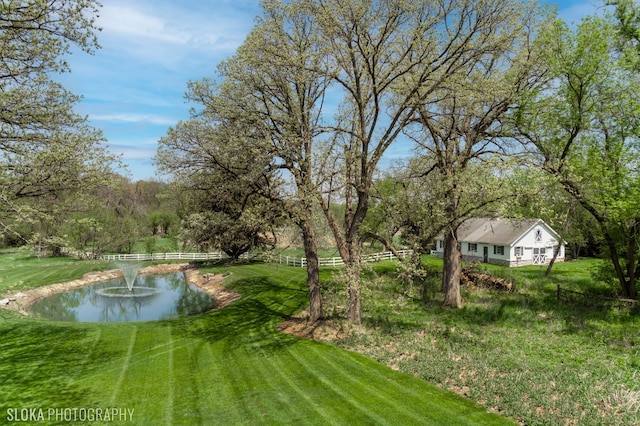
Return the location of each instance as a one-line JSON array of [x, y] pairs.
[[20, 270], [226, 367], [521, 354]]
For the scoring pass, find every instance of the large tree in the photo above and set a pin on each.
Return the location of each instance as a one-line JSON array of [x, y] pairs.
[[269, 103], [387, 56], [460, 123], [372, 47], [583, 130], [223, 184], [47, 152]]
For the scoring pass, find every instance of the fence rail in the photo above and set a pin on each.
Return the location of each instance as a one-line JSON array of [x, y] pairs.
[[332, 261], [284, 260], [164, 256]]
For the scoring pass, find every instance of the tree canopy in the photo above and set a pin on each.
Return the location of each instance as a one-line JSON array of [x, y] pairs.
[[582, 127], [48, 153]]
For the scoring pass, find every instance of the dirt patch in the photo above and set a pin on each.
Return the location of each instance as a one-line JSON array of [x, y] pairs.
[[298, 325], [209, 283]]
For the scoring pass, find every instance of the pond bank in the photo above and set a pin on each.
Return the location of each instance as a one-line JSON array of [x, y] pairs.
[[209, 283]]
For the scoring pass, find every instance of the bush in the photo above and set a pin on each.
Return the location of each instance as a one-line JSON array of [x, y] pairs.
[[604, 273]]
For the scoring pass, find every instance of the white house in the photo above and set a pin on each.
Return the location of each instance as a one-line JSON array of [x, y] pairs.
[[509, 242]]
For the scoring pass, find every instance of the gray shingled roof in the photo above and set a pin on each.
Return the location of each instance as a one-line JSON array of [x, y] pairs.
[[494, 231]]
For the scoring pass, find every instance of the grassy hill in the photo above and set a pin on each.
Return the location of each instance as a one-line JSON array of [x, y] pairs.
[[230, 366]]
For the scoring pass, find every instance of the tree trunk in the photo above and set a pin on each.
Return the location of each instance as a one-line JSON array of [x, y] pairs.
[[565, 231], [553, 260], [451, 271], [632, 251], [628, 287], [354, 281], [349, 248], [313, 272]]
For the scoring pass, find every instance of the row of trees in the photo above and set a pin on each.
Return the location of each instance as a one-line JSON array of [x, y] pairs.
[[491, 94], [58, 187], [509, 112]]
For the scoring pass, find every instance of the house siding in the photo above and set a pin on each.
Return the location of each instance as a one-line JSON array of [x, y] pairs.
[[537, 245]]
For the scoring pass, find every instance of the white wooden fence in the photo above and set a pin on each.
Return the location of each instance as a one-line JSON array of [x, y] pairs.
[[284, 260], [164, 256]]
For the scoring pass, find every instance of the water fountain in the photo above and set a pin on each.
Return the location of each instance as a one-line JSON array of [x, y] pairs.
[[130, 274], [131, 297]]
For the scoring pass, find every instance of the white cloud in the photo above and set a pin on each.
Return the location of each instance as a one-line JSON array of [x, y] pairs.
[[160, 22], [146, 37], [133, 151], [133, 88], [131, 22], [134, 118]]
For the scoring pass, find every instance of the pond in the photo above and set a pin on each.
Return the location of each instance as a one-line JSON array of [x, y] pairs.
[[154, 297]]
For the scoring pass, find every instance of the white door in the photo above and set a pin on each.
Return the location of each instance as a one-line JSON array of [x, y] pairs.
[[539, 256]]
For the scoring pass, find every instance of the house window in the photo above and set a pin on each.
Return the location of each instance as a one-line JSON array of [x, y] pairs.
[[440, 243], [519, 251], [472, 247], [538, 235], [498, 250]]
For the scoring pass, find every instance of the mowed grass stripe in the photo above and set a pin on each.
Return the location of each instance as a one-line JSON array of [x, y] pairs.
[[370, 384], [257, 394], [38, 364], [390, 399], [365, 387], [168, 411], [185, 376], [91, 353], [146, 387], [125, 365], [441, 406], [33, 364], [359, 411], [320, 407], [233, 366], [273, 395], [217, 402]]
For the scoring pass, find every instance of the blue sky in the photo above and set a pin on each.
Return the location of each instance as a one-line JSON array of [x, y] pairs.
[[133, 87]]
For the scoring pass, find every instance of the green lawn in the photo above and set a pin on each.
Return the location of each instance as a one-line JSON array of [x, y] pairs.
[[19, 270], [521, 354], [226, 367]]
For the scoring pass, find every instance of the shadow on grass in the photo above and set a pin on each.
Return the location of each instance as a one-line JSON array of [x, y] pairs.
[[524, 311], [38, 363], [249, 323]]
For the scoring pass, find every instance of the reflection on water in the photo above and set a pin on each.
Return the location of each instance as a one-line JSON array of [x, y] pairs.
[[173, 297]]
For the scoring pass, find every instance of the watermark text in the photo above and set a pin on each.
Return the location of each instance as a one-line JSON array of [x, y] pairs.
[[70, 414]]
